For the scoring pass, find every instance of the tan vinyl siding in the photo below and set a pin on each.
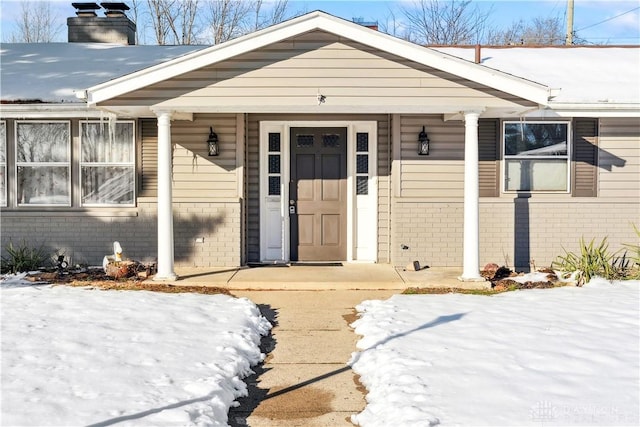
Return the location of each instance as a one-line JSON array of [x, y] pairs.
[[441, 173], [291, 73], [384, 186], [619, 159], [197, 176], [253, 175]]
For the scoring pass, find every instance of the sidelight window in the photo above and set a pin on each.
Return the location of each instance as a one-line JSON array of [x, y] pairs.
[[362, 164], [275, 167]]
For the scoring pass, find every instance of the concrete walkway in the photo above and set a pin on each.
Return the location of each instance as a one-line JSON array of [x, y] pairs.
[[305, 380]]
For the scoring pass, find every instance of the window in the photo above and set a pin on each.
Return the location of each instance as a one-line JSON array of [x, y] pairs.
[[43, 164], [107, 164], [362, 164], [3, 164], [274, 171], [536, 156]]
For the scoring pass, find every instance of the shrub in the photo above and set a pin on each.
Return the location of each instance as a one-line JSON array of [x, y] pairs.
[[23, 258], [628, 264], [590, 262]]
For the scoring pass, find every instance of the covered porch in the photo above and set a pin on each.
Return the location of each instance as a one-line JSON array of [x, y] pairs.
[[331, 71]]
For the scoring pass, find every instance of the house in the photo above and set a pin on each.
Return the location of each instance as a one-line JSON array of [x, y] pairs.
[[319, 139]]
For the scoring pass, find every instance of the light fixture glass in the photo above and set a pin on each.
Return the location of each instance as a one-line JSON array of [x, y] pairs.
[[212, 143], [423, 143]]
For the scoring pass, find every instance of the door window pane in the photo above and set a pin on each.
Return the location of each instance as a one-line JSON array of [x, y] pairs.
[[274, 142], [362, 141], [331, 140], [362, 163], [274, 186], [362, 185], [274, 163], [304, 141]]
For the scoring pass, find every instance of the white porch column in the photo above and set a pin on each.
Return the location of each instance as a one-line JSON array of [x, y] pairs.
[[471, 260], [165, 200]]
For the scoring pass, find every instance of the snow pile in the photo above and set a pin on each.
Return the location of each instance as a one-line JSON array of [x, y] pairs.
[[564, 356], [18, 279], [73, 356]]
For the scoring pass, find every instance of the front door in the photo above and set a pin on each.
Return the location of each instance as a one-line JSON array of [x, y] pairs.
[[318, 194]]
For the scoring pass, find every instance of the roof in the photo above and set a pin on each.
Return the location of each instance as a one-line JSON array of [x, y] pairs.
[[587, 75], [52, 72], [605, 77]]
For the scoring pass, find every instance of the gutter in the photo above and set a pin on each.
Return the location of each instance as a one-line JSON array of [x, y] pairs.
[[77, 110], [568, 109]]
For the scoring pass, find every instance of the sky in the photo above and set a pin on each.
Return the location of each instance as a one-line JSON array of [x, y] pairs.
[[597, 21]]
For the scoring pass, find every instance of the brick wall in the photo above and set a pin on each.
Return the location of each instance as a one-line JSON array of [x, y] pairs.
[[86, 237], [433, 231]]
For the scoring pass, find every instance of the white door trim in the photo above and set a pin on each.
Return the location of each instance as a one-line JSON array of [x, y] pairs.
[[362, 212]]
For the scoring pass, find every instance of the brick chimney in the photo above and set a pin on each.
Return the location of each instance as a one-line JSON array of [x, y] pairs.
[[114, 27], [369, 24]]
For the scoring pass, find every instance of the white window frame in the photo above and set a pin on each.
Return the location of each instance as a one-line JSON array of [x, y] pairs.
[[68, 163], [3, 163], [132, 164], [506, 157]]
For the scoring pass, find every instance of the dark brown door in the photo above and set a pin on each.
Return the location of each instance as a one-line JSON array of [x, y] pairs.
[[318, 194]]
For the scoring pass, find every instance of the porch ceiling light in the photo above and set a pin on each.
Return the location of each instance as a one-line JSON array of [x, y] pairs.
[[212, 143], [423, 143]]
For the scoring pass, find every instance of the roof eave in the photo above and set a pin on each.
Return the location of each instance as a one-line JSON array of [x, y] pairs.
[[594, 109], [39, 111]]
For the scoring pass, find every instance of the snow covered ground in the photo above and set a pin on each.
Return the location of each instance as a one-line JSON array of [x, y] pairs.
[[565, 356], [74, 356]]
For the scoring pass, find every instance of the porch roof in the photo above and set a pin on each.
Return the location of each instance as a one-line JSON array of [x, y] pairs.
[[524, 89]]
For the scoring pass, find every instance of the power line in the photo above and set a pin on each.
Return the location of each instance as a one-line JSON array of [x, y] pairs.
[[607, 20]]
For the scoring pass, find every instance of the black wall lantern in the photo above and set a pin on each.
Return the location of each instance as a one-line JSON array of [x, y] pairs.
[[212, 143], [423, 143]]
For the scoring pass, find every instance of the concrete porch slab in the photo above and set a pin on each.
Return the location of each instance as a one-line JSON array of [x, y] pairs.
[[349, 276], [439, 277]]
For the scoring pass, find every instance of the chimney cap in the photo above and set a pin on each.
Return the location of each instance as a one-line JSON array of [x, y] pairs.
[[115, 6], [85, 6]]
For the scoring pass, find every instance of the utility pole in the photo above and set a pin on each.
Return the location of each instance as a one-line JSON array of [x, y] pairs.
[[569, 39]]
